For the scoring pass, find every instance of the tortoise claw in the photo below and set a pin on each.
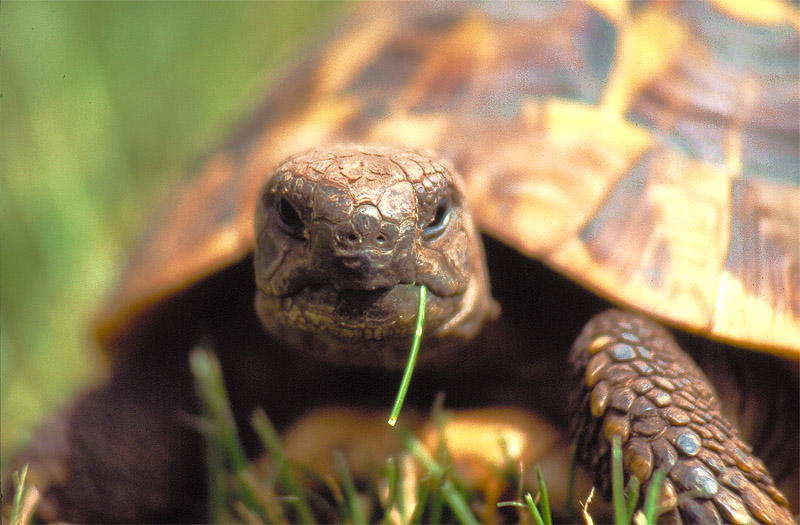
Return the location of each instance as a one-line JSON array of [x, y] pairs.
[[637, 384]]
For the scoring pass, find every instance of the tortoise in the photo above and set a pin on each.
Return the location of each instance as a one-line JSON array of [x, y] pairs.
[[645, 152]]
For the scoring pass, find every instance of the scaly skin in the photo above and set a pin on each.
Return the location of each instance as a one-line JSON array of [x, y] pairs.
[[635, 383]]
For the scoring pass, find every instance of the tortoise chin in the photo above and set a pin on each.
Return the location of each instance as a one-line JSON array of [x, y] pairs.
[[356, 327]]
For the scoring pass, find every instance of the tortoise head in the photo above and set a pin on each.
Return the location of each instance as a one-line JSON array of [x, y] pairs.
[[344, 238]]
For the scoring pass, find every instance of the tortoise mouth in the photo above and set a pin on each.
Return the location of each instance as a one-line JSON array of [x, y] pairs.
[[358, 327], [358, 308]]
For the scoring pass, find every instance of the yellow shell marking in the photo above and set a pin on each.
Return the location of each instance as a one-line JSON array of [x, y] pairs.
[[615, 10], [647, 47], [754, 318], [576, 121], [765, 313], [759, 12], [748, 97], [348, 56], [582, 152], [421, 131]]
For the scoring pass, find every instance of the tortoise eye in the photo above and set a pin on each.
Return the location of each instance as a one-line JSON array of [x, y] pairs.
[[438, 224], [290, 220]]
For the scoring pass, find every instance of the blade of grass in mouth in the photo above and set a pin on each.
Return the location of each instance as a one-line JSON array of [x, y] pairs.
[[412, 357]]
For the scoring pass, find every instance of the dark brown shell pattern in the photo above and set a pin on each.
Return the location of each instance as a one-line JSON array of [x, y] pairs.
[[648, 150]]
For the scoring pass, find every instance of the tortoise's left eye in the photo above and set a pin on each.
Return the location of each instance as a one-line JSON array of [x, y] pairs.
[[288, 217], [438, 224]]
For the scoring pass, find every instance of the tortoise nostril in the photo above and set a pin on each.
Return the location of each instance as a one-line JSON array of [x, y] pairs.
[[380, 239], [352, 237]]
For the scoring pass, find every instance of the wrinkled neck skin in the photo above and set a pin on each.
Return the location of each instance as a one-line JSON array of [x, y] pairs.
[[345, 237]]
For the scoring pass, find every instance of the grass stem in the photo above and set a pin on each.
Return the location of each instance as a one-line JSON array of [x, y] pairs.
[[350, 493], [223, 434], [272, 443], [544, 499], [412, 357], [537, 517], [617, 483], [651, 500], [19, 491], [454, 498]]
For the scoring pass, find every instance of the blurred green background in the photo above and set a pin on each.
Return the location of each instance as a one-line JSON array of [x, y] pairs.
[[103, 107]]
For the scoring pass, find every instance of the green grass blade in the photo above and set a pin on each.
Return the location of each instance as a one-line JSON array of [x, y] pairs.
[[521, 507], [391, 477], [652, 497], [618, 484], [423, 493], [544, 499], [217, 488], [502, 504], [272, 443], [412, 357], [454, 498], [632, 497], [436, 506], [457, 503], [537, 517], [413, 445], [221, 425], [350, 493], [400, 502], [19, 491], [208, 373]]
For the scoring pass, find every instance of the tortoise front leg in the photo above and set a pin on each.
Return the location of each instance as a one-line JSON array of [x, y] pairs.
[[638, 385]]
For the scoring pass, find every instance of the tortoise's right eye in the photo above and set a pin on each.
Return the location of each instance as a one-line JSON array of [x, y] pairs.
[[288, 217], [438, 224]]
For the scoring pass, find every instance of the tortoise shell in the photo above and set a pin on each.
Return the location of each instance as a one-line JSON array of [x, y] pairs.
[[648, 151]]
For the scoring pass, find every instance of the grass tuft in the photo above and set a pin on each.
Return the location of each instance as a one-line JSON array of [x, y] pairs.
[[223, 447], [272, 444], [626, 499], [397, 493], [454, 498], [354, 506], [539, 514]]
